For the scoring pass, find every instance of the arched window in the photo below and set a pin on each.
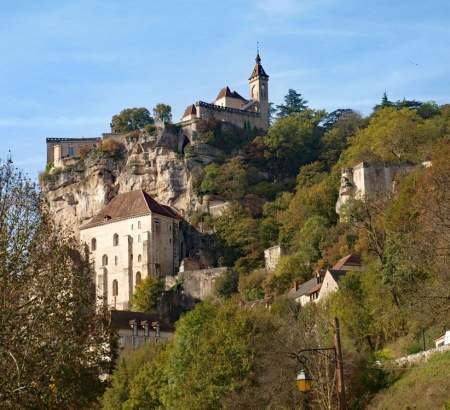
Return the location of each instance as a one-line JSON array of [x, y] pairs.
[[105, 260], [115, 239], [139, 224], [139, 238], [138, 278], [116, 260], [115, 287], [93, 244], [139, 258]]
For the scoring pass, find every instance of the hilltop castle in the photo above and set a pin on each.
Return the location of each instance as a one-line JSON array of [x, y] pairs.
[[230, 106]]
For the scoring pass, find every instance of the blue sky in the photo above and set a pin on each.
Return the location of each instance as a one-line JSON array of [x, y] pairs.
[[68, 66]]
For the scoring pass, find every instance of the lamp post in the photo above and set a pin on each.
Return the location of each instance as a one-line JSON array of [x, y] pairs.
[[304, 382]]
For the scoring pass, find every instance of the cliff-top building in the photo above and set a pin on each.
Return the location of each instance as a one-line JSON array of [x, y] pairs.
[[229, 106], [132, 237]]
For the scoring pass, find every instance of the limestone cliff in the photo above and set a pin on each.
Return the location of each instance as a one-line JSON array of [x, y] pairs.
[[78, 190]]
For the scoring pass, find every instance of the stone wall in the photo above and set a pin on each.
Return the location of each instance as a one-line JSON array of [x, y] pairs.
[[200, 284], [365, 181], [272, 257], [413, 359]]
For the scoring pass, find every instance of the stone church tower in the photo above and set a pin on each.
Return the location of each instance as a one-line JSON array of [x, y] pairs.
[[259, 90], [229, 106]]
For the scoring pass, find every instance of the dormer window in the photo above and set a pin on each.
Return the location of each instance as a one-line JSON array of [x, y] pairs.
[[107, 218]]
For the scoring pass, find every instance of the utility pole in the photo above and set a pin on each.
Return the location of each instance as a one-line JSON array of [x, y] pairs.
[[339, 366]]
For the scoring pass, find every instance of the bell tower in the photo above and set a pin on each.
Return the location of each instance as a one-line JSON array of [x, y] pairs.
[[259, 91]]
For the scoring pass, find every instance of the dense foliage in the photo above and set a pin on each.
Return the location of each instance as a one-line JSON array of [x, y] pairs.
[[54, 345], [147, 294]]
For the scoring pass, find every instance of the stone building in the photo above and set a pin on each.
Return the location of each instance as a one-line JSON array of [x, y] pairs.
[[330, 283], [230, 106], [132, 237], [324, 282], [59, 149], [369, 180]]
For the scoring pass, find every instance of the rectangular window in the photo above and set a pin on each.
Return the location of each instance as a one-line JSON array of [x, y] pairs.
[[71, 151], [139, 224]]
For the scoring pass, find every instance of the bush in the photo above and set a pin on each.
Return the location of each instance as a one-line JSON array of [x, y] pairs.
[[227, 284], [148, 294], [112, 148]]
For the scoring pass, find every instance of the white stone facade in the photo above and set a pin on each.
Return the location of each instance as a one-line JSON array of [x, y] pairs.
[[125, 252], [369, 180], [272, 257]]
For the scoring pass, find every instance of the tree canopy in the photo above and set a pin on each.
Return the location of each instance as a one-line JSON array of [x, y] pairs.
[[131, 119]]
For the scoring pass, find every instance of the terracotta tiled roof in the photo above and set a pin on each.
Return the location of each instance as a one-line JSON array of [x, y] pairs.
[[226, 92], [349, 260], [258, 70], [129, 205], [190, 110]]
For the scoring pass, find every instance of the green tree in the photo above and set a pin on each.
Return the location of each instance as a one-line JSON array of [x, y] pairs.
[[293, 103], [147, 295], [163, 113], [131, 119], [137, 380], [392, 135], [293, 141]]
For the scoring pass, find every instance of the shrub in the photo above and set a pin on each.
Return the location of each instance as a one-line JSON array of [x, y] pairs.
[[112, 148], [227, 284]]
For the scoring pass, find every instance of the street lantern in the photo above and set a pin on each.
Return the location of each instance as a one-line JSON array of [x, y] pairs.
[[304, 381]]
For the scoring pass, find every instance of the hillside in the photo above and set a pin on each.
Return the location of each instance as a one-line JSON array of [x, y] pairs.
[[425, 386]]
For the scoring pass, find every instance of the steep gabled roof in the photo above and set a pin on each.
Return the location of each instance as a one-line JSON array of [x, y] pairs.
[[351, 261], [226, 92], [258, 70], [129, 205]]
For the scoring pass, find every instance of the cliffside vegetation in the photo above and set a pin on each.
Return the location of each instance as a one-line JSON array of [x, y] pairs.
[[282, 189]]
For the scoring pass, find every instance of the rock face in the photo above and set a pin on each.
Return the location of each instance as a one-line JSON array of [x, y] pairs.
[[79, 191]]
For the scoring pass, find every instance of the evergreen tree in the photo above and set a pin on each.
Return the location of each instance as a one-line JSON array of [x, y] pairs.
[[385, 101], [293, 103]]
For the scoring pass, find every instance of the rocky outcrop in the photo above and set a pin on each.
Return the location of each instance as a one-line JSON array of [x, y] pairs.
[[79, 191]]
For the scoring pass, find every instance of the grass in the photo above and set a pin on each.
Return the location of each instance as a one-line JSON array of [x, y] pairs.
[[424, 386]]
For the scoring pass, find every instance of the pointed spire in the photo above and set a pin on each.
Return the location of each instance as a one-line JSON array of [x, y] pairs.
[[258, 70]]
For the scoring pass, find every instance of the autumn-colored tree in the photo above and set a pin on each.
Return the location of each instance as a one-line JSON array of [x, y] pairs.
[[147, 294], [54, 344]]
